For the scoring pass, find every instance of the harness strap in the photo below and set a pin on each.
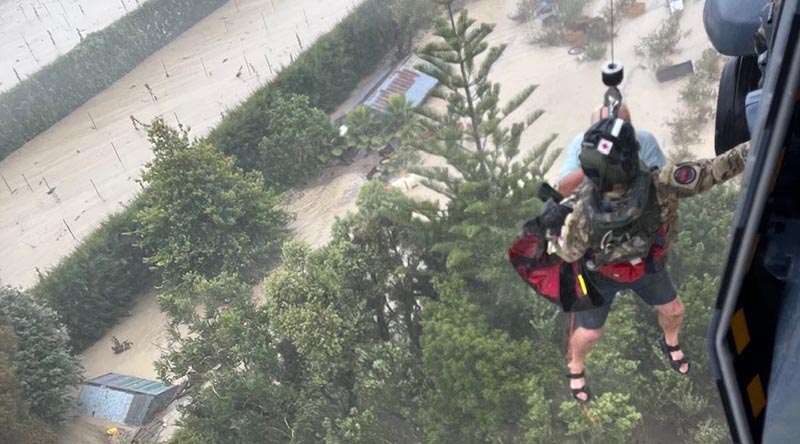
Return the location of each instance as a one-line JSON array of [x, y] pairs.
[[566, 286], [649, 263]]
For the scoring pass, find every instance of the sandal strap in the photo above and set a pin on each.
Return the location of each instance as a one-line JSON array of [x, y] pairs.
[[670, 348], [583, 390], [576, 375], [676, 364]]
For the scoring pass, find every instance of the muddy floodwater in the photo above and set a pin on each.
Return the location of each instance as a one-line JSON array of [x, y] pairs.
[[33, 33]]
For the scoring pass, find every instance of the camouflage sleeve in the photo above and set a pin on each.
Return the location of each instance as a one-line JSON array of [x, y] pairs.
[[573, 242], [689, 178]]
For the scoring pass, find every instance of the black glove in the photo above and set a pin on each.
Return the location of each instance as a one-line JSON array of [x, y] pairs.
[[546, 192], [553, 216]]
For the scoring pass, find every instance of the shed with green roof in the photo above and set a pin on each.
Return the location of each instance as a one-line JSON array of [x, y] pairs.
[[124, 399]]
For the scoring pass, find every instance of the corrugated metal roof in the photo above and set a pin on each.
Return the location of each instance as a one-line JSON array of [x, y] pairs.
[[130, 384], [414, 85]]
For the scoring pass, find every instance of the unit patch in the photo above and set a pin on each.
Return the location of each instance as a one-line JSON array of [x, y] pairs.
[[685, 174]]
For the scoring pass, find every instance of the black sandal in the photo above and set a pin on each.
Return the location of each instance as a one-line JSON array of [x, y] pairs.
[[578, 391], [674, 363]]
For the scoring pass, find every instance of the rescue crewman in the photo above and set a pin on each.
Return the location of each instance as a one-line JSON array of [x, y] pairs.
[[623, 218]]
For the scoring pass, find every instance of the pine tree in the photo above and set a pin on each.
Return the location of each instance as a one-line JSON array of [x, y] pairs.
[[16, 424], [488, 186], [47, 371], [475, 347]]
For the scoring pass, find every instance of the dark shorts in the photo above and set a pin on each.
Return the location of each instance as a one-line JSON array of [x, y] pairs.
[[653, 289]]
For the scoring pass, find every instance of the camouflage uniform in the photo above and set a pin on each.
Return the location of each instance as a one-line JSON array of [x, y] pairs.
[[673, 183]]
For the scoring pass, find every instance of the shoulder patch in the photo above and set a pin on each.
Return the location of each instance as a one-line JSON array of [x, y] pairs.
[[684, 174]]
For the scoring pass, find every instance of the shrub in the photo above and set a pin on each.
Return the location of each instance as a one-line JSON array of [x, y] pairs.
[[698, 95], [301, 139], [546, 36], [571, 10], [710, 431], [524, 11], [684, 128], [596, 50], [619, 11], [104, 57], [659, 45], [708, 66], [186, 436], [599, 30], [697, 99]]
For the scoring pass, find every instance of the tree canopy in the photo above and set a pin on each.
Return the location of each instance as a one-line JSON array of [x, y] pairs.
[[301, 139], [202, 214], [46, 370], [17, 426]]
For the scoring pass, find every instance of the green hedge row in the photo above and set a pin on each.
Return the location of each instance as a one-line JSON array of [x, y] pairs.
[[95, 286], [92, 288], [101, 59]]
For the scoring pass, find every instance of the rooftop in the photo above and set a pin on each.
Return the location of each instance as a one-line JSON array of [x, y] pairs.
[[408, 82], [130, 384]]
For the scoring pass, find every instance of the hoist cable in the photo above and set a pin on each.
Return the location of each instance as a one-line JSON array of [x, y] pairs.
[[612, 30]]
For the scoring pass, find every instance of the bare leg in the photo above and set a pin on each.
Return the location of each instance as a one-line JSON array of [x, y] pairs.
[[580, 344], [670, 317]]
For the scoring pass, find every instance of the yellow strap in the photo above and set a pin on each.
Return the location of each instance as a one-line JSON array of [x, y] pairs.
[[583, 284]]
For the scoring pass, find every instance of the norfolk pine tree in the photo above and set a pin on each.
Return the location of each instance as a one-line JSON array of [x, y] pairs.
[[43, 362], [490, 190], [17, 426]]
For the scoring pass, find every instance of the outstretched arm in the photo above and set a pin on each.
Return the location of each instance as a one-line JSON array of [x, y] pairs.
[[569, 183], [695, 177]]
